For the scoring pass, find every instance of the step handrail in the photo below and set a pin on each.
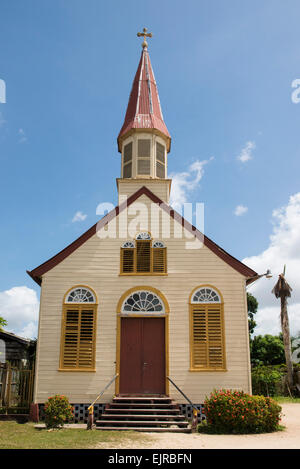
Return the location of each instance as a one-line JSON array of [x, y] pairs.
[[195, 410], [91, 407]]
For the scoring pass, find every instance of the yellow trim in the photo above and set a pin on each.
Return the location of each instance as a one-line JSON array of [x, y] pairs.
[[205, 286], [139, 288], [143, 231], [191, 306], [134, 272], [150, 131], [78, 306], [208, 370], [86, 370], [80, 286], [165, 316], [154, 274]]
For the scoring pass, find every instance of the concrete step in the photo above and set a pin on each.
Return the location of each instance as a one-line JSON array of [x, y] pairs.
[[143, 411], [146, 429], [142, 416], [150, 423], [142, 404]]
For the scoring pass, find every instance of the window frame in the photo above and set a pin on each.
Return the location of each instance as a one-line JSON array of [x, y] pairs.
[[207, 305], [144, 158], [159, 162], [137, 243], [80, 307], [128, 163]]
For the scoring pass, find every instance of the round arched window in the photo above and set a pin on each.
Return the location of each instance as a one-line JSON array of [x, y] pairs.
[[143, 235], [128, 244], [81, 295], [143, 301], [206, 295], [158, 244]]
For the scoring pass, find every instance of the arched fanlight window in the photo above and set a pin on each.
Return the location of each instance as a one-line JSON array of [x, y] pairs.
[[158, 244], [206, 295], [78, 339], [143, 301], [128, 244], [144, 235], [143, 256], [80, 295], [207, 341]]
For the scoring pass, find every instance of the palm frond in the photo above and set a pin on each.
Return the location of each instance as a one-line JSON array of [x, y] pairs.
[[282, 288]]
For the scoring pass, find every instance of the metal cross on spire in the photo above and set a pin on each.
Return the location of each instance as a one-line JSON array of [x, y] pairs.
[[144, 34]]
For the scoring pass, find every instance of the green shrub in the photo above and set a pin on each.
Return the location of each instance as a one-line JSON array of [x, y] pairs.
[[58, 411], [229, 411], [268, 380]]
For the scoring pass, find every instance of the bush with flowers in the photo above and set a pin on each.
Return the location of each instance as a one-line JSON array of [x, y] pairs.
[[58, 411], [229, 411]]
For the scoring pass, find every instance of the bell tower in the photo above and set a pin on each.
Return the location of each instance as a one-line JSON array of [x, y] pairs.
[[144, 140]]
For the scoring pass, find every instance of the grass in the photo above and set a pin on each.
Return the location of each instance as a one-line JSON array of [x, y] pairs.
[[288, 400], [24, 436]]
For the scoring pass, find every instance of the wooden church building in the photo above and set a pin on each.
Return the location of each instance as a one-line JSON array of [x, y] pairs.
[[128, 303]]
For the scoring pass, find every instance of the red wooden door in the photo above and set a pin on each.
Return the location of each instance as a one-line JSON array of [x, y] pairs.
[[142, 361]]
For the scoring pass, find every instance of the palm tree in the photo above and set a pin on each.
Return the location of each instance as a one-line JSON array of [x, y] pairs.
[[282, 290]]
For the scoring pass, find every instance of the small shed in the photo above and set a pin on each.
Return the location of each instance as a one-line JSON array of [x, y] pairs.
[[15, 350]]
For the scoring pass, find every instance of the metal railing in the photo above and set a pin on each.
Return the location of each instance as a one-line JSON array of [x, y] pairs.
[[195, 410], [91, 407]]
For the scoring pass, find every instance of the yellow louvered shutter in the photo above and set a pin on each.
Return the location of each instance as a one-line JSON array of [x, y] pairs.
[[159, 260], [70, 344], [127, 262], [143, 256], [86, 339], [199, 337], [78, 347], [215, 341], [207, 337]]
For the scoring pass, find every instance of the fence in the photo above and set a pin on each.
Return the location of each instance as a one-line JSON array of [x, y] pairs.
[[16, 389]]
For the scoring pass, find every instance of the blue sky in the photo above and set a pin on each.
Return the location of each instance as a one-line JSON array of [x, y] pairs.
[[224, 71]]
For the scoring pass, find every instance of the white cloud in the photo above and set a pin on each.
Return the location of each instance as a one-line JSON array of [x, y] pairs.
[[22, 136], [184, 182], [19, 306], [284, 248], [246, 153], [240, 210], [79, 216]]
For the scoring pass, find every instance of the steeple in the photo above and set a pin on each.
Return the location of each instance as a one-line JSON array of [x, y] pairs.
[[144, 140], [144, 110]]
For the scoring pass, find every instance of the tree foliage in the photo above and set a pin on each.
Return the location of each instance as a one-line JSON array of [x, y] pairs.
[[267, 350], [252, 310], [2, 323]]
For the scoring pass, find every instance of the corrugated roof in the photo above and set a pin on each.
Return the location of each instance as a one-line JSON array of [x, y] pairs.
[[144, 110]]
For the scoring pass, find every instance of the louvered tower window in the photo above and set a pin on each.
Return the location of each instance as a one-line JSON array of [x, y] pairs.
[[143, 256], [160, 161], [127, 161], [143, 160], [79, 330], [207, 330]]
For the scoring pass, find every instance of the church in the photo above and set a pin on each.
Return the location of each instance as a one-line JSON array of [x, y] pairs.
[[142, 306]]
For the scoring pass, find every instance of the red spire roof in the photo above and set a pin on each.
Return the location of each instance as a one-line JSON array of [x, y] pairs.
[[143, 110]]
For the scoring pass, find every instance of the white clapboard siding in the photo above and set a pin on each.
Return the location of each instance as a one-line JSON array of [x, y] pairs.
[[96, 264]]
